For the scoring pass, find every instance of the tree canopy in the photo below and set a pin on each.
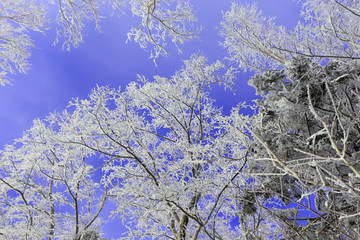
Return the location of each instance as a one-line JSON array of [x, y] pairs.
[[171, 162]]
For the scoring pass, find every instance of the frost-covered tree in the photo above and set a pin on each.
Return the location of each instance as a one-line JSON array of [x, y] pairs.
[[172, 163], [47, 190], [306, 130], [330, 30], [159, 22], [306, 146], [16, 17]]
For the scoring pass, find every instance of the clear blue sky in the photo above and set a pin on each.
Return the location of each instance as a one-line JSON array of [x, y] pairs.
[[57, 76]]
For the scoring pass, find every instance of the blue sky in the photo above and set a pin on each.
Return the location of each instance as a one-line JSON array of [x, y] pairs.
[[57, 76]]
